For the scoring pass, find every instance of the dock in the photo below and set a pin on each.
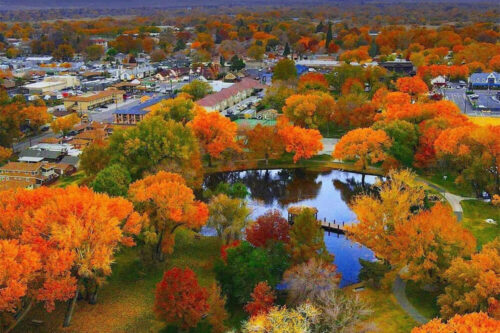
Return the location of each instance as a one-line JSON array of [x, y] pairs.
[[334, 227]]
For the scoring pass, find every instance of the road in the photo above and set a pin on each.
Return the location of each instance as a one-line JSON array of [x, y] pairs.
[[99, 116]]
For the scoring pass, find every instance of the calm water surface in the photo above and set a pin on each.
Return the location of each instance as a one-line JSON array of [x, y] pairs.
[[328, 191]]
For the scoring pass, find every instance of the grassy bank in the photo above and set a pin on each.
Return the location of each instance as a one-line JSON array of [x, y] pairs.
[[386, 315], [475, 214]]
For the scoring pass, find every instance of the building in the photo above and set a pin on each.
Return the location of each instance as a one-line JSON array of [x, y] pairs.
[[26, 175], [230, 96], [91, 101], [399, 66], [52, 84], [484, 80], [136, 113]]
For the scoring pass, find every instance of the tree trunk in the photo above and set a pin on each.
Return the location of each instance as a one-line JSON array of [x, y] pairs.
[[363, 179], [69, 311], [93, 295], [20, 316]]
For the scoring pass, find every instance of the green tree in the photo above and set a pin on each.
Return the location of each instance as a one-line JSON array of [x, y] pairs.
[[94, 52], [245, 266], [237, 190], [228, 217], [155, 144], [285, 70], [329, 36], [404, 137], [373, 271], [197, 89], [113, 180], [94, 158], [339, 75], [373, 50], [307, 239], [256, 52], [237, 63], [320, 27], [287, 51]]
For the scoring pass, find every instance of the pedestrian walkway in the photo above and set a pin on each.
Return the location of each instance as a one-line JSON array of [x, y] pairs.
[[399, 291]]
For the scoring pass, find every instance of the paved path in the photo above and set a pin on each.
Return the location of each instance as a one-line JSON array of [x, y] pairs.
[[399, 291]]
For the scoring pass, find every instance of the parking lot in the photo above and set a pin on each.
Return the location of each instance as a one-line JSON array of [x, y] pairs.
[[482, 102]]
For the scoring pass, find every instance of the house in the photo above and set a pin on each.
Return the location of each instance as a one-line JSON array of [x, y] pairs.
[[484, 80], [230, 96], [91, 101], [37, 155], [26, 175]]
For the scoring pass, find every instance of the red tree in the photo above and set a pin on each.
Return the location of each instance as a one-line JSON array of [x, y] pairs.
[[179, 298], [262, 300], [268, 227]]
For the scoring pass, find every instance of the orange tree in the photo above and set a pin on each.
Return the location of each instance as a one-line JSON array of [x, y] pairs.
[[365, 146], [304, 143], [75, 232], [309, 110], [473, 322], [262, 300], [474, 152], [215, 133], [264, 142], [179, 298], [169, 204], [313, 81], [472, 285]]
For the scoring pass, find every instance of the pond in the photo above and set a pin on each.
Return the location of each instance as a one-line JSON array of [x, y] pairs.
[[328, 191]]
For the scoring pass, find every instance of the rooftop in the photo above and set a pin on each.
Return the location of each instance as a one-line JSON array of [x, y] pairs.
[[21, 167], [92, 97], [244, 84]]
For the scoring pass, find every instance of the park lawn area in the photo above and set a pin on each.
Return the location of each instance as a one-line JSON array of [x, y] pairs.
[[484, 121], [475, 214], [75, 179], [449, 184], [424, 301], [386, 314], [125, 302]]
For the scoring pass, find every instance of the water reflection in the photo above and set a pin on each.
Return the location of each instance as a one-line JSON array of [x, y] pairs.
[[330, 192]]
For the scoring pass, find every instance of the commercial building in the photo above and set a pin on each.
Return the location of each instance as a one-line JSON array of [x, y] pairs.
[[485, 80], [52, 84], [91, 101]]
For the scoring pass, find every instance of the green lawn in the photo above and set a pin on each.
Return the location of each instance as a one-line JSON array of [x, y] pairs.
[[386, 315], [75, 179], [449, 184], [475, 214], [424, 301]]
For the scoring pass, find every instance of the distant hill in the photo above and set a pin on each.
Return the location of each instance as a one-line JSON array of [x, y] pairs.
[[41, 4]]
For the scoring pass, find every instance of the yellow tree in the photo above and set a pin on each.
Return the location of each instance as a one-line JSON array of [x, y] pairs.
[[428, 242], [309, 110], [365, 146], [65, 124], [472, 285], [378, 215], [169, 204]]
